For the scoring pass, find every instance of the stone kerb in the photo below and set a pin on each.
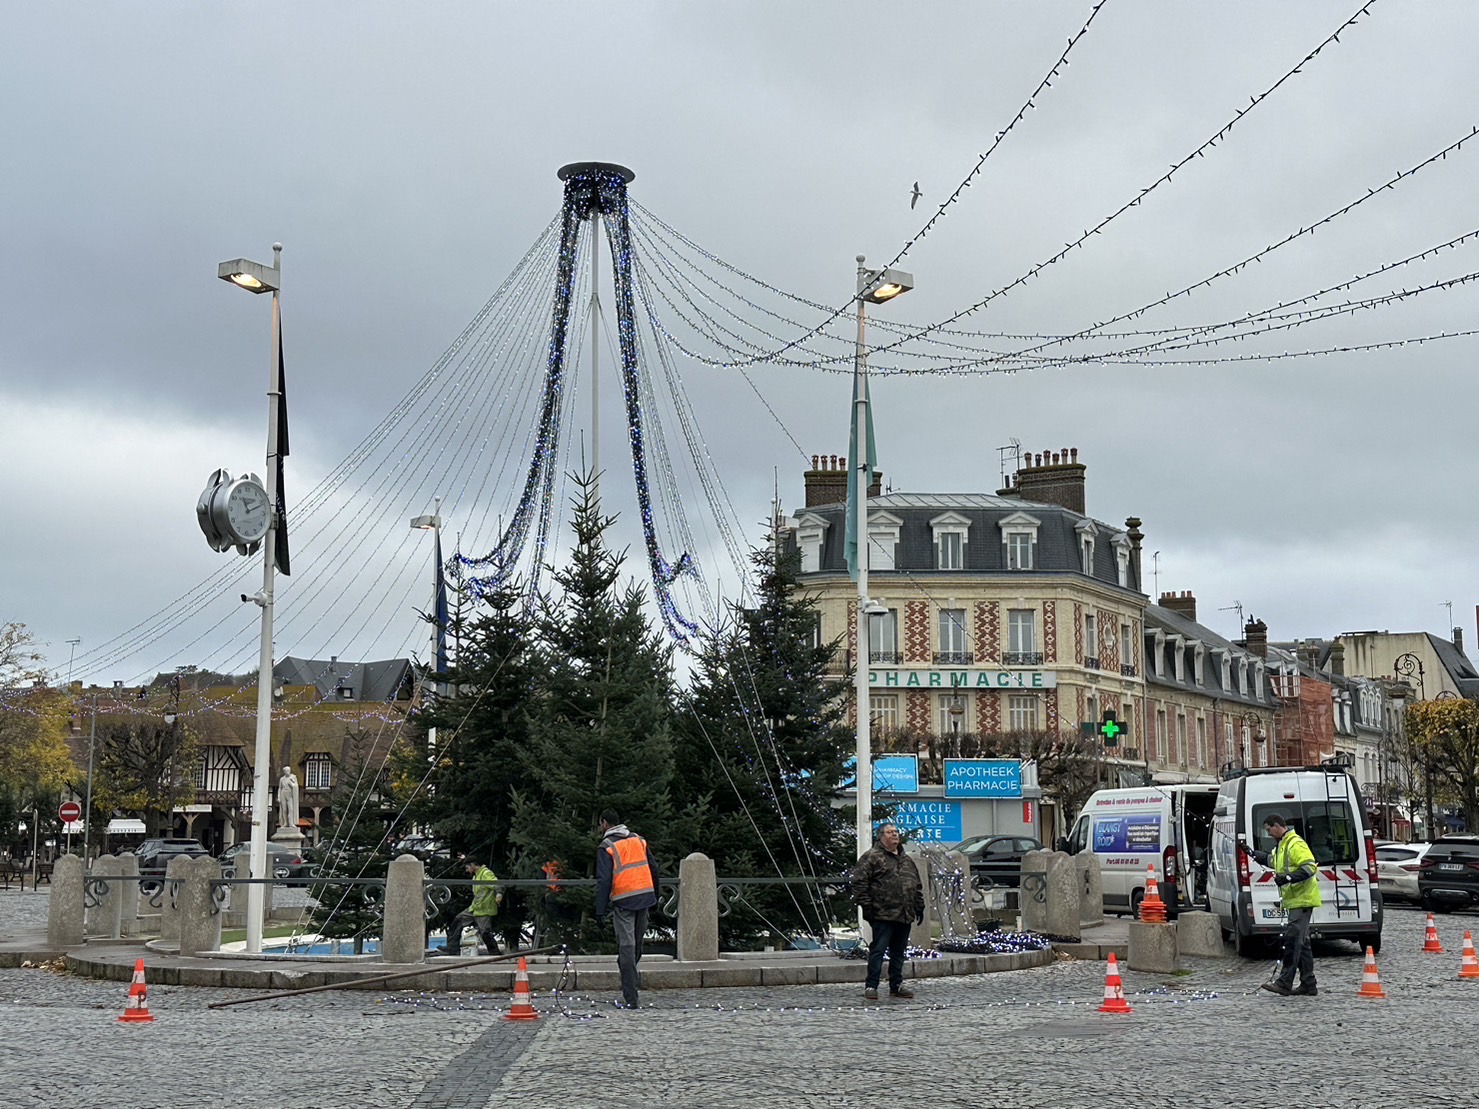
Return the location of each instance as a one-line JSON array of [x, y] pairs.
[[698, 909], [1091, 888], [403, 933], [200, 925], [1050, 894], [64, 909]]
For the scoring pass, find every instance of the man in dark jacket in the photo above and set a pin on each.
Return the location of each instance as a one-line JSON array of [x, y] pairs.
[[886, 886], [627, 885]]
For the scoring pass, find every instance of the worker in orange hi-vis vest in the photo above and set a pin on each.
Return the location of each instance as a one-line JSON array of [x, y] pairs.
[[626, 886]]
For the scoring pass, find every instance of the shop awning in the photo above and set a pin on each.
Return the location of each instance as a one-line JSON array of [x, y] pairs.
[[125, 826]]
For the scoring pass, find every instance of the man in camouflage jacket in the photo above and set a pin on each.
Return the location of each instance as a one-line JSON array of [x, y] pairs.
[[886, 886]]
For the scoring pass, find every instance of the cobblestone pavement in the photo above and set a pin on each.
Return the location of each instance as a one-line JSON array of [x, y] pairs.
[[1031, 1038]]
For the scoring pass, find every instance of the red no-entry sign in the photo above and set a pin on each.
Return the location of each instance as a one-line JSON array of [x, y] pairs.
[[70, 811]]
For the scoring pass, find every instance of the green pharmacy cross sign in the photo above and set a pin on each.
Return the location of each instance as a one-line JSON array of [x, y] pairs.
[[1111, 729]]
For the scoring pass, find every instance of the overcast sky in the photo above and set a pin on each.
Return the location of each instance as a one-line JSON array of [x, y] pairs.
[[405, 156]]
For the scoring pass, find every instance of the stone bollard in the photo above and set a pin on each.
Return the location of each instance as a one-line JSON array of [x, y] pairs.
[[130, 894], [200, 922], [64, 909], [1050, 894], [103, 917], [957, 918], [930, 872], [1198, 933], [1091, 888], [1152, 947], [403, 934], [169, 905], [698, 909]]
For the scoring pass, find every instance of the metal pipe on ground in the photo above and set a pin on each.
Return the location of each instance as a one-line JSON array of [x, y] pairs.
[[380, 978]]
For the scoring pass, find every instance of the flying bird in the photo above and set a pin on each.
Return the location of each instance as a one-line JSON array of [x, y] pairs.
[[913, 200]]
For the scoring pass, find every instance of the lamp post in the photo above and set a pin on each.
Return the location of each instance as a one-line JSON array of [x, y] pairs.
[[257, 278], [874, 287], [1253, 730]]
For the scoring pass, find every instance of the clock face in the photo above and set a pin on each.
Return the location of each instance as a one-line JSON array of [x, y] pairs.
[[247, 511]]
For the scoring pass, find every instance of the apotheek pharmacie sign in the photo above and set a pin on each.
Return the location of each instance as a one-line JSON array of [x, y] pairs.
[[963, 679]]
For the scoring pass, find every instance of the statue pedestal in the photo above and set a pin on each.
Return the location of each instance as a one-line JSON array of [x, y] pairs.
[[288, 837]]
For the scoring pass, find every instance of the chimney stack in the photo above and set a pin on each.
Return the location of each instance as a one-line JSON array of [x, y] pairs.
[[1136, 536], [1052, 477], [1183, 604], [1337, 659], [826, 481], [1458, 639], [1255, 637]]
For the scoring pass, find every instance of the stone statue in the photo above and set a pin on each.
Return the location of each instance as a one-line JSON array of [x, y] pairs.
[[287, 799]]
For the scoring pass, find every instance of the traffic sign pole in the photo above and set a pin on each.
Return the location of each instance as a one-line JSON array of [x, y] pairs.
[[69, 813]]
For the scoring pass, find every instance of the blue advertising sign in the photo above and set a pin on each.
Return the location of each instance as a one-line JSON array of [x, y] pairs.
[[1140, 834], [983, 777], [891, 774], [927, 821]]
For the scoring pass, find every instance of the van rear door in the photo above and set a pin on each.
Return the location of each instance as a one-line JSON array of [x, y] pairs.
[[1327, 822]]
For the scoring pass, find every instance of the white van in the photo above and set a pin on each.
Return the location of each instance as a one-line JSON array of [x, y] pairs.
[[1323, 804], [1130, 829]]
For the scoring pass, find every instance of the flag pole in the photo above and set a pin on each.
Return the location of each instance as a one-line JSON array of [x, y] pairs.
[[863, 779]]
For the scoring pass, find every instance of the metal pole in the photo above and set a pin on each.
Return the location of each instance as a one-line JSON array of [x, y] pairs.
[[92, 739], [596, 350], [864, 776], [256, 893]]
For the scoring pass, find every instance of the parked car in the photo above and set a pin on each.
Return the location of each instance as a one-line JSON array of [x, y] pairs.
[[998, 858], [1448, 876], [286, 863], [425, 848], [154, 855], [1397, 867]]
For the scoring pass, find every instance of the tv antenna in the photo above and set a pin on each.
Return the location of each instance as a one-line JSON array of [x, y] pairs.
[[1155, 570], [1236, 606], [1013, 451], [1449, 606]]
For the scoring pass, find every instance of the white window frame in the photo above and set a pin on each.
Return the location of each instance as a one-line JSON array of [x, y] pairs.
[[951, 625], [1087, 531], [883, 540], [1022, 712], [1122, 559], [1091, 635], [314, 765], [883, 708], [946, 717], [1178, 648], [876, 624], [1160, 653], [811, 536], [1160, 735], [1023, 528], [1202, 742], [1199, 663], [1181, 738], [1127, 644], [1014, 624], [951, 525]]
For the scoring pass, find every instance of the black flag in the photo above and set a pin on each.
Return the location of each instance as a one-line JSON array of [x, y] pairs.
[[280, 451]]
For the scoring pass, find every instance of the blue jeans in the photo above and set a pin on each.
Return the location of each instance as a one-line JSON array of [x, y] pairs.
[[890, 937]]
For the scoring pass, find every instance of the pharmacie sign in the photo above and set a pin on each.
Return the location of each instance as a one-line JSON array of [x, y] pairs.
[[963, 679], [983, 778]]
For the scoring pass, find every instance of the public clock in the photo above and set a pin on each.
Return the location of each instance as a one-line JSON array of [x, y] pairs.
[[234, 512]]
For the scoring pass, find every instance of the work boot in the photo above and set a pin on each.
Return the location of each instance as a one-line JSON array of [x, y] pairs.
[[1307, 989], [870, 994], [1279, 988], [902, 992]]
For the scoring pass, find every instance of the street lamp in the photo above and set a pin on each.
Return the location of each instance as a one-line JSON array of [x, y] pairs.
[[874, 287], [433, 524], [1252, 729], [257, 278]]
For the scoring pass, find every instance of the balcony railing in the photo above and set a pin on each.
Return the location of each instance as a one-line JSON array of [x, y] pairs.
[[954, 658], [1091, 662], [1127, 670], [1022, 658], [885, 656]]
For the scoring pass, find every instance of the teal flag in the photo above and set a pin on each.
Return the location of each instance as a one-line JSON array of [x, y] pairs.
[[860, 391]]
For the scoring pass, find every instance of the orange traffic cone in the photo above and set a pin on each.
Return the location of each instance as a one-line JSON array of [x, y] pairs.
[[1469, 967], [523, 1007], [1114, 992], [1152, 908], [137, 1009], [1370, 980], [1431, 942]]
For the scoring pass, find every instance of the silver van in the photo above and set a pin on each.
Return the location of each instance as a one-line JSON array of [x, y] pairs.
[[1323, 804]]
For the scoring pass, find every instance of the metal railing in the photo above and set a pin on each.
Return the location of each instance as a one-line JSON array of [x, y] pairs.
[[954, 658], [1022, 658]]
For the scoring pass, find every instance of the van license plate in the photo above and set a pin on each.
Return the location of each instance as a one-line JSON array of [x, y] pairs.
[[1276, 913], [1450, 866]]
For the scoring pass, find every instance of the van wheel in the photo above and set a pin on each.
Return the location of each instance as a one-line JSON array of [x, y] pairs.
[[1136, 896], [1243, 945], [1373, 941]]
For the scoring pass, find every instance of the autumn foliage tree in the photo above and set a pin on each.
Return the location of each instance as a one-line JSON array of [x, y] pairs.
[[1444, 736]]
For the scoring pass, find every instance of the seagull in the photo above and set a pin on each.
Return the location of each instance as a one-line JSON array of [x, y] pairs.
[[913, 200]]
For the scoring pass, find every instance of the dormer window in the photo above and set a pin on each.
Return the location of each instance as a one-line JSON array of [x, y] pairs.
[[1178, 652], [1243, 677], [1087, 532], [1122, 560], [317, 773], [1019, 537], [1226, 674], [811, 533], [883, 540], [950, 533], [1160, 653], [1199, 664]]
